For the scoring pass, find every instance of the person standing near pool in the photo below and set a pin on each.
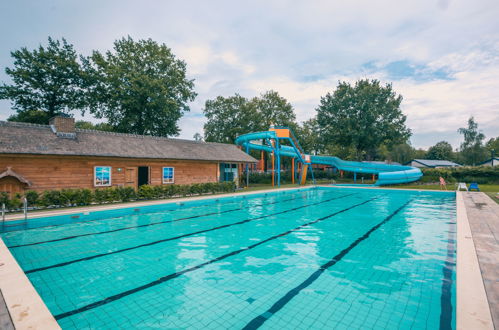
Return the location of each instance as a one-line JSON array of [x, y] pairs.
[[442, 183]]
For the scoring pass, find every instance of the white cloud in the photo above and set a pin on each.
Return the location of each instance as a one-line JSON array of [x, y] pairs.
[[300, 50]]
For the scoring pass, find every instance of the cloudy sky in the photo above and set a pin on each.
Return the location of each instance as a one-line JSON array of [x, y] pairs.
[[441, 55]]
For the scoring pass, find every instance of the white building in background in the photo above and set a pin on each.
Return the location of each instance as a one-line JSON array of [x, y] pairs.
[[431, 163]]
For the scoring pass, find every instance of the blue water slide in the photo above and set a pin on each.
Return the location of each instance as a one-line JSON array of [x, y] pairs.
[[387, 174]]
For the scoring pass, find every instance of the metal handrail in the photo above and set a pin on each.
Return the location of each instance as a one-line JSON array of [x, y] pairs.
[[25, 208]]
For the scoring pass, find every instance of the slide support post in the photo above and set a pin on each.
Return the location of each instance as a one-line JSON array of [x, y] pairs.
[[273, 169], [247, 167]]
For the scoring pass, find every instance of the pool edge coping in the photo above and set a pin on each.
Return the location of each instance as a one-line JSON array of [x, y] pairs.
[[472, 310], [25, 306]]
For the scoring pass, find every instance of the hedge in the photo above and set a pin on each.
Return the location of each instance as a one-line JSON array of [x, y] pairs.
[[480, 175], [82, 197], [266, 178]]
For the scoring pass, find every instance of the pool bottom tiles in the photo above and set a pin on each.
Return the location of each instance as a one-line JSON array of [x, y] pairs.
[[310, 258]]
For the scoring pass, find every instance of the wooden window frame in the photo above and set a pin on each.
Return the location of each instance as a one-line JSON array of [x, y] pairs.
[[110, 176], [163, 175]]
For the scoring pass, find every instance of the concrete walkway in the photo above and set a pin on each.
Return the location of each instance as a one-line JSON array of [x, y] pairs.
[[483, 217]]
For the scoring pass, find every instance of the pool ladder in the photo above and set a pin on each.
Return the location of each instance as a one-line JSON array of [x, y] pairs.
[[25, 210]]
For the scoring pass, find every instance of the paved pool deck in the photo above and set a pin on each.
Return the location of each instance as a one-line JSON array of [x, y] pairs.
[[483, 218]]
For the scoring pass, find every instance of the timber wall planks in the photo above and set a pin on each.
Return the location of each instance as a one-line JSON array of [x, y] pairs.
[[59, 172]]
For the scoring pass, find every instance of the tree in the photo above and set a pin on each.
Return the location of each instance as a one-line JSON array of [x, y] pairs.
[[228, 117], [46, 81], [472, 148], [31, 116], [274, 110], [198, 137], [89, 125], [139, 88], [362, 117], [442, 150], [402, 153], [308, 135], [492, 146]]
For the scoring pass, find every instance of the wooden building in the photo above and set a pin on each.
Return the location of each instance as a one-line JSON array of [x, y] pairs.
[[57, 156]]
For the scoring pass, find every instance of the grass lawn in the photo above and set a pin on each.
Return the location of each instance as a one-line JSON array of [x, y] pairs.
[[490, 189]]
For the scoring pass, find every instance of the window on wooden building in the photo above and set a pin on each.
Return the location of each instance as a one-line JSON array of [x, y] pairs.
[[102, 176], [168, 175]]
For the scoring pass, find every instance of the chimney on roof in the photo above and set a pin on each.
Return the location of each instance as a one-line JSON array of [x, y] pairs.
[[63, 126]]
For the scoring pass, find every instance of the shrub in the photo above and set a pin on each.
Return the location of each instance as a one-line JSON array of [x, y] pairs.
[[482, 174], [14, 203], [69, 196], [195, 189], [100, 196], [146, 192], [32, 197], [52, 198], [84, 197], [4, 198], [182, 190], [228, 186], [170, 190], [125, 194]]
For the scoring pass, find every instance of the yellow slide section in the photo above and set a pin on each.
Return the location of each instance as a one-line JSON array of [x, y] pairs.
[[304, 174]]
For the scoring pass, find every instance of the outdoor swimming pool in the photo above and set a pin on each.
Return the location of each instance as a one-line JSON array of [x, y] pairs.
[[307, 258]]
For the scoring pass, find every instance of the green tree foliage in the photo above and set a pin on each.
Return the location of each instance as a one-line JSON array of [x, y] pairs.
[[274, 110], [308, 135], [492, 146], [31, 116], [197, 137], [363, 117], [45, 81], [140, 87], [229, 117], [89, 125], [442, 150], [472, 149], [402, 153]]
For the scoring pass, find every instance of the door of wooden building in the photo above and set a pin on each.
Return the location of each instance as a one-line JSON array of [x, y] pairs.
[[131, 177]]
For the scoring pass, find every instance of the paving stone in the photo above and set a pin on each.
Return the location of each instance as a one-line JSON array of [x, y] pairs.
[[483, 216]]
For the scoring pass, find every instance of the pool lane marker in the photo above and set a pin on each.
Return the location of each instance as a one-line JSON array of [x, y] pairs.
[[148, 224], [179, 236], [447, 271], [187, 270], [260, 319]]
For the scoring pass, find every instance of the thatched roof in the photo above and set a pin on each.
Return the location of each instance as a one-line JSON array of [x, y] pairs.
[[23, 138], [10, 173]]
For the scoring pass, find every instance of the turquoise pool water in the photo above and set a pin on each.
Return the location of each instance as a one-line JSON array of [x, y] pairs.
[[316, 258]]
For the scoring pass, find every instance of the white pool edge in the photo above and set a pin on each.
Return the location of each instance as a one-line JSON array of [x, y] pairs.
[[26, 308], [472, 310]]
